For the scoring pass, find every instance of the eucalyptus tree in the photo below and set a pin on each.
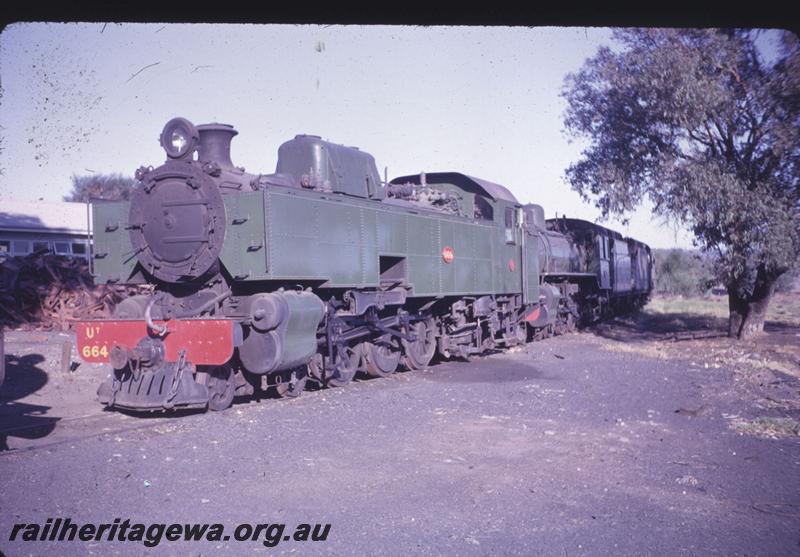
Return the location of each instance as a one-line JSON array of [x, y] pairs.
[[707, 127]]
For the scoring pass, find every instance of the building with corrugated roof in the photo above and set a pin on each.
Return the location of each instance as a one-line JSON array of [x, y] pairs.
[[30, 226]]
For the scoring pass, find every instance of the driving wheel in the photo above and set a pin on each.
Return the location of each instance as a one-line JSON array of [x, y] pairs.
[[419, 352], [382, 356]]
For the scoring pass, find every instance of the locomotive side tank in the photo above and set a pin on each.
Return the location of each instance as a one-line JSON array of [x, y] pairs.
[[325, 227]]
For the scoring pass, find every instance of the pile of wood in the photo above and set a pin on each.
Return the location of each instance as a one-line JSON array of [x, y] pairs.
[[47, 291]]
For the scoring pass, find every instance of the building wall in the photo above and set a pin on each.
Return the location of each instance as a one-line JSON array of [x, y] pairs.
[[58, 227], [23, 243]]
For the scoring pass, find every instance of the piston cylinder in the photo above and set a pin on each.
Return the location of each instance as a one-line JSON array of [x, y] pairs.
[[283, 331]]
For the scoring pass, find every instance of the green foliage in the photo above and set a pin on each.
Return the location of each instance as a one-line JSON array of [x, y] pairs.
[[699, 123], [109, 187], [682, 272]]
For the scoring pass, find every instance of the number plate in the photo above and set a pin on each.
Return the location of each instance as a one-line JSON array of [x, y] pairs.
[[206, 341]]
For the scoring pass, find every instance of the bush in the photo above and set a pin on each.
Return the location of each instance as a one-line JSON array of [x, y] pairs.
[[682, 272]]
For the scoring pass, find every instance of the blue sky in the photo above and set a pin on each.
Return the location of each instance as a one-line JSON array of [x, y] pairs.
[[82, 98]]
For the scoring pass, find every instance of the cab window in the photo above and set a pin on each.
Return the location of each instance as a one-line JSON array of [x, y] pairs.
[[509, 222], [483, 209]]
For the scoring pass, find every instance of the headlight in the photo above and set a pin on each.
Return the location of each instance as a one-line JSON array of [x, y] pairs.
[[179, 138]]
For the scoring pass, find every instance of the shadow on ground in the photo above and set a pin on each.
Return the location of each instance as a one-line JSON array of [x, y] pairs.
[[21, 419], [644, 326]]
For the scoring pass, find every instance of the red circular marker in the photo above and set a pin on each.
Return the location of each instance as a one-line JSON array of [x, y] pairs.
[[448, 254], [512, 265]]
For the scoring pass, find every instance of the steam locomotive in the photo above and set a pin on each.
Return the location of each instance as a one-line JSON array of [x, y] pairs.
[[321, 270]]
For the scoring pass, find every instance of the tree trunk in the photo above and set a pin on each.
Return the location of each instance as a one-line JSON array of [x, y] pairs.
[[737, 308], [747, 312]]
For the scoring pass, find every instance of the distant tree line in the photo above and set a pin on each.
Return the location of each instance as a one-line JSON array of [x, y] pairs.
[[681, 272], [108, 187]]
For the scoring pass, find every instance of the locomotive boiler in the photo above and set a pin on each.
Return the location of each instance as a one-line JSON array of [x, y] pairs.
[[320, 271]]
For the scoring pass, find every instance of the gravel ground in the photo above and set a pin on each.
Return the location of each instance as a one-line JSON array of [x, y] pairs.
[[562, 448]]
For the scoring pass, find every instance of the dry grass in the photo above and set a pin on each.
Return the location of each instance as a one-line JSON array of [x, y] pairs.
[[771, 428], [649, 349], [783, 308]]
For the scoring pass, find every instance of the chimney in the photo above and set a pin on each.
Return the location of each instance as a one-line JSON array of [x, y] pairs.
[[215, 144]]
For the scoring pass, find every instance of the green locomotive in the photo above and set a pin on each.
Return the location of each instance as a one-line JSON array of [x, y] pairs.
[[321, 270]]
